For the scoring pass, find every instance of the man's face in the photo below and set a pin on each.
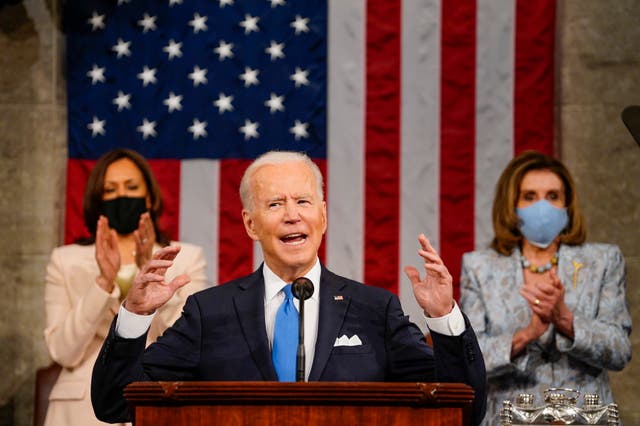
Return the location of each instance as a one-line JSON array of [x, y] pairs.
[[288, 217]]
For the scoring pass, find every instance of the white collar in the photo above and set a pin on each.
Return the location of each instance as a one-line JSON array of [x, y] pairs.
[[273, 283]]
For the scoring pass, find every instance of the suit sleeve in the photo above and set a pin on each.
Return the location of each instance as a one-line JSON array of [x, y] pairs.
[[454, 359], [173, 357], [118, 364], [602, 339], [497, 347], [71, 327]]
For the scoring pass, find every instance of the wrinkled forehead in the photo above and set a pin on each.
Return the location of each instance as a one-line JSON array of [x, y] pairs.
[[291, 178]]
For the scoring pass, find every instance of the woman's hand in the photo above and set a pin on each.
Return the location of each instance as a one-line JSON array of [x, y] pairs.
[[536, 328], [546, 299], [107, 254], [145, 238]]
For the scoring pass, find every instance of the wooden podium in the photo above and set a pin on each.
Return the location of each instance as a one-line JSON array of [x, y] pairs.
[[313, 403]]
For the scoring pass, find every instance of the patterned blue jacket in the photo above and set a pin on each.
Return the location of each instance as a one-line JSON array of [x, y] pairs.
[[594, 277]]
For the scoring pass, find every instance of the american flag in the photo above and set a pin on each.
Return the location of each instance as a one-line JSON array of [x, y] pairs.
[[411, 108]]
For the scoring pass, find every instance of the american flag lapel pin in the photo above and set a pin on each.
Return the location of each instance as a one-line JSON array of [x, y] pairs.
[[338, 297]]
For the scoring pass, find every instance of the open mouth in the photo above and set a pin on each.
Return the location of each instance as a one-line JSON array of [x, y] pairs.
[[294, 239]]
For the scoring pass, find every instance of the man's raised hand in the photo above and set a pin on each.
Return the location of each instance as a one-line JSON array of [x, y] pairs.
[[149, 290]]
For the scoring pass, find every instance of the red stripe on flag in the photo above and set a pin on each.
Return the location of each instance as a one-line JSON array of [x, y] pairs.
[[533, 91], [382, 135], [167, 174], [235, 257], [457, 122], [77, 174]]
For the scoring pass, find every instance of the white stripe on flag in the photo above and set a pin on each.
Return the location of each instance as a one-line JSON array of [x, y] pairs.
[[420, 139], [199, 195], [494, 106], [345, 157]]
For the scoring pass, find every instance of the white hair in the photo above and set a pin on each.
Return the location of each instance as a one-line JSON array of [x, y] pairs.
[[273, 158]]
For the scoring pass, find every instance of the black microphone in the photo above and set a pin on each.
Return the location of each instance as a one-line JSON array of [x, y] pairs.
[[631, 119], [302, 289]]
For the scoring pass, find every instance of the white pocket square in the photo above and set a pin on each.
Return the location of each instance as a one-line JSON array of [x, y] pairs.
[[348, 341]]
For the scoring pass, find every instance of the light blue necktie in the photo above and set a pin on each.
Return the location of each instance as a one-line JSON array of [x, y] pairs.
[[285, 338]]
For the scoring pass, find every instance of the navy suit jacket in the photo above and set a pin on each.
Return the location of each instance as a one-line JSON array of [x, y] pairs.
[[221, 336]]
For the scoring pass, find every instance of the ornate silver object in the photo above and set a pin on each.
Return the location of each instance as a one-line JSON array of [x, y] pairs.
[[560, 408]]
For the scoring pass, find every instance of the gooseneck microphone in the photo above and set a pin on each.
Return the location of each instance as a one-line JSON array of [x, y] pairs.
[[302, 289]]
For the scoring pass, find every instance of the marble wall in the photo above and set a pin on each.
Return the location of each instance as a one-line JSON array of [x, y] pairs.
[[598, 73]]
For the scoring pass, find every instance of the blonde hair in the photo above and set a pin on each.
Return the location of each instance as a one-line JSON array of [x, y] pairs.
[[274, 158], [505, 220]]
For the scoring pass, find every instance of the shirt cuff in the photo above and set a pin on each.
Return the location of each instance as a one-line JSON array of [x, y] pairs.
[[451, 324], [130, 325]]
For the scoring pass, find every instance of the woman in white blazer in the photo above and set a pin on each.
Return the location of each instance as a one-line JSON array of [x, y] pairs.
[[549, 309], [87, 281]]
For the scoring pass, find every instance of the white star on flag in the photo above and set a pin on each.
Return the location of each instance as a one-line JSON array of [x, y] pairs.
[[147, 128], [173, 49], [148, 23], [173, 102], [224, 50], [199, 76], [96, 21], [275, 103], [96, 127], [172, 2], [250, 23], [148, 75], [198, 23], [198, 128], [275, 50], [224, 3], [96, 74], [250, 129], [223, 103], [300, 77], [300, 24], [275, 3], [122, 100], [122, 48], [249, 77], [299, 130], [123, 1]]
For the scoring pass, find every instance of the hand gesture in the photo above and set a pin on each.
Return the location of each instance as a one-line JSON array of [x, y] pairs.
[[434, 293], [145, 238], [149, 290], [546, 299], [107, 254]]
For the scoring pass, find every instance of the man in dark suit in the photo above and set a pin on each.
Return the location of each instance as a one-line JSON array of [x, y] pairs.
[[353, 332]]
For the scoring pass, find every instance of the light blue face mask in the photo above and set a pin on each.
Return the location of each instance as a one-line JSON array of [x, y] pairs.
[[541, 222]]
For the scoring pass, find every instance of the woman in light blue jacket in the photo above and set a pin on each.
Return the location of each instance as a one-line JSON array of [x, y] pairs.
[[549, 309]]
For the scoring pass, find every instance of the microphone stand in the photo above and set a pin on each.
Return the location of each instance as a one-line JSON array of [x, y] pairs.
[[300, 355], [302, 288]]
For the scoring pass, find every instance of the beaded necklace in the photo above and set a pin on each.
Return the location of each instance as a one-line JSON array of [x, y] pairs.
[[539, 269]]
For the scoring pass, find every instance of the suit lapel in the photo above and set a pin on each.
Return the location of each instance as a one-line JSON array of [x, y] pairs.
[[333, 307], [249, 305]]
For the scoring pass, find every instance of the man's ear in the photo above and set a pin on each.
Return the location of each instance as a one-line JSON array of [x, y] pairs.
[[324, 217], [249, 225]]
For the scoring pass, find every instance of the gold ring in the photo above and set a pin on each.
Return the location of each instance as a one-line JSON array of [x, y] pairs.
[[536, 302]]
